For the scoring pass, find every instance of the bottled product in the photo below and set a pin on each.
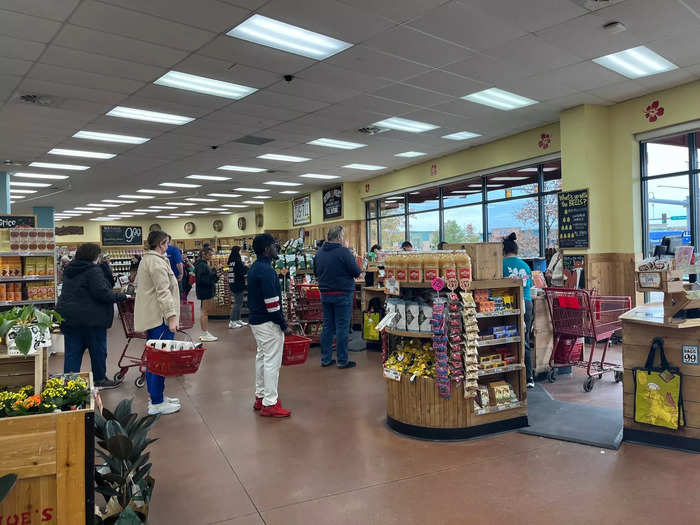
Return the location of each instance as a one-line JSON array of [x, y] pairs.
[[390, 266], [464, 266], [448, 270], [431, 267], [415, 268], [402, 268]]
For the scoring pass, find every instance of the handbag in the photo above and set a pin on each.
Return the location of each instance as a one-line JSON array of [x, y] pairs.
[[369, 327], [657, 391]]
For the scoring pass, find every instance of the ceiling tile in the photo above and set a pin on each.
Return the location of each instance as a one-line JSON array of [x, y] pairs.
[[669, 79], [487, 69], [245, 107], [54, 9], [248, 4], [312, 90], [27, 27], [619, 92], [8, 83], [11, 66], [397, 11], [206, 14], [447, 83], [67, 91], [377, 64], [84, 79], [89, 62], [330, 75], [682, 50], [117, 46], [379, 105], [534, 53], [533, 14], [20, 49], [585, 76], [417, 46], [651, 20], [412, 95], [187, 98], [539, 87], [116, 20], [227, 71], [267, 98]]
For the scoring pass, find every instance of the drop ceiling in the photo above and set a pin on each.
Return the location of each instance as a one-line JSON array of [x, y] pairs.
[[413, 59]]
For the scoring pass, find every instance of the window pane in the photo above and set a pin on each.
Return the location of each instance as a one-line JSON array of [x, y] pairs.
[[424, 230], [373, 235], [463, 192], [520, 216], [551, 172], [423, 200], [515, 183], [667, 155], [371, 209], [393, 232], [392, 206], [464, 224], [551, 220], [667, 209]]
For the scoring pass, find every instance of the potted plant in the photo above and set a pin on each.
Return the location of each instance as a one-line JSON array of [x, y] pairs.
[[124, 481], [28, 327]]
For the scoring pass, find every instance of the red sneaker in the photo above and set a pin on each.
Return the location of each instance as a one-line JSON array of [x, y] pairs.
[[258, 404], [275, 410]]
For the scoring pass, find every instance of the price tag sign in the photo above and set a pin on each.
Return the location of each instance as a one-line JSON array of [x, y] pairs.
[[690, 355], [394, 375], [464, 284], [452, 284], [650, 280], [438, 284]]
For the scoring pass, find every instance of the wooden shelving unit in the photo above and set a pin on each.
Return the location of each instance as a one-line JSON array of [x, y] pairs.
[[414, 335]]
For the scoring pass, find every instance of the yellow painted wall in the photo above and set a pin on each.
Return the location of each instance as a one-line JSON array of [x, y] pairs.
[[277, 215], [353, 207]]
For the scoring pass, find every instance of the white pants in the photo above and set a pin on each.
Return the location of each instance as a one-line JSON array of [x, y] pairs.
[[270, 339]]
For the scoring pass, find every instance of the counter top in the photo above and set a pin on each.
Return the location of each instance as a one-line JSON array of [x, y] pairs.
[[652, 314]]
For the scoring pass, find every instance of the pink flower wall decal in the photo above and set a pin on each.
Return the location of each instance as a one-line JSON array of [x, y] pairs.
[[653, 111], [545, 141]]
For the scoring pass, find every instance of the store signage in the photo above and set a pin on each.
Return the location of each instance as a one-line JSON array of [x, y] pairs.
[[121, 235], [301, 210], [394, 375], [433, 170], [650, 279], [17, 221], [573, 219], [332, 199], [690, 355]]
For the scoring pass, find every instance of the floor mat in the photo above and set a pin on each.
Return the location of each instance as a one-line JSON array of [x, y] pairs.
[[578, 423], [357, 343]]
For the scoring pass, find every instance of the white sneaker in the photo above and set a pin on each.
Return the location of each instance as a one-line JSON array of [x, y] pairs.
[[162, 408], [242, 323], [172, 400], [232, 324], [531, 384], [206, 336]]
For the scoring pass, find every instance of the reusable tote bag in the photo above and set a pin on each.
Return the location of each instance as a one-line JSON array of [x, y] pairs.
[[657, 391]]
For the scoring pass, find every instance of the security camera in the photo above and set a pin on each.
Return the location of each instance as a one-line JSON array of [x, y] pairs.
[[289, 78]]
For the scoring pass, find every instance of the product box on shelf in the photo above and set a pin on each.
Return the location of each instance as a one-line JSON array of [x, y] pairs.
[[486, 260], [413, 311]]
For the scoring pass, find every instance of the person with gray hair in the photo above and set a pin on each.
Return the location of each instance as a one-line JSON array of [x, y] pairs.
[[336, 270]]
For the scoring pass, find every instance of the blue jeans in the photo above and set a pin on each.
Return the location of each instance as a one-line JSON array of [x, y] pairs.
[[154, 382], [237, 305], [337, 310], [76, 341]]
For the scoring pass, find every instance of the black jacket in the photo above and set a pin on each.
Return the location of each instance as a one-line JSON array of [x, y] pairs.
[[107, 270], [336, 268], [87, 299], [205, 280], [265, 294], [236, 276]]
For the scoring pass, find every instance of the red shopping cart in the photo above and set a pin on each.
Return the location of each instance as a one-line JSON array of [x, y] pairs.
[[580, 314]]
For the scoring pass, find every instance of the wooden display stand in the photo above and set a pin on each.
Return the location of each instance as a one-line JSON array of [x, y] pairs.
[[543, 338], [416, 409], [20, 370], [53, 455], [678, 296]]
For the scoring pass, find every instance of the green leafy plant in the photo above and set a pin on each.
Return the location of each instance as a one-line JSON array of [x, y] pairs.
[[122, 438], [21, 319], [7, 482]]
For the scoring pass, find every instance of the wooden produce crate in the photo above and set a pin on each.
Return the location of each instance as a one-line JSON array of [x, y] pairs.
[[487, 260], [53, 455], [17, 371]]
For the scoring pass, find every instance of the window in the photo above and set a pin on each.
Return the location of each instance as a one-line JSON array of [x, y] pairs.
[[393, 232], [392, 206], [424, 230], [465, 224], [463, 192], [667, 155], [520, 216], [512, 184], [373, 234], [668, 209], [423, 200]]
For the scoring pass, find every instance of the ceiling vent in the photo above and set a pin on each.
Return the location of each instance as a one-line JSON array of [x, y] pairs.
[[252, 140], [595, 5], [39, 100], [371, 130]]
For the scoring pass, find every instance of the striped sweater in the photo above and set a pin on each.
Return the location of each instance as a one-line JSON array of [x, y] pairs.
[[265, 294]]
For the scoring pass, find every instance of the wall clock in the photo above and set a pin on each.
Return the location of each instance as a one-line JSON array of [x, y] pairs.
[[241, 223], [218, 225], [189, 228]]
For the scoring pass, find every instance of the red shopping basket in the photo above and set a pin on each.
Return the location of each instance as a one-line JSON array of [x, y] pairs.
[[296, 350], [186, 315], [168, 363]]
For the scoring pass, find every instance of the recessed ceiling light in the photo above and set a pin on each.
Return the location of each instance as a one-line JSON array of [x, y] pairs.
[[366, 167], [179, 185], [138, 213], [110, 137], [18, 197], [283, 158], [115, 201], [208, 86], [252, 190], [636, 62], [534, 170], [182, 214], [402, 124], [103, 205], [166, 217], [489, 186], [180, 203], [247, 169], [208, 177], [157, 192], [253, 202], [262, 197], [234, 205], [92, 208], [333, 143], [461, 135], [410, 154], [19, 192], [138, 197], [150, 116], [198, 212], [507, 178], [273, 33], [279, 183], [319, 176], [226, 195], [39, 176], [289, 192], [199, 199], [143, 210], [53, 165], [214, 209], [499, 99], [80, 153], [20, 184]]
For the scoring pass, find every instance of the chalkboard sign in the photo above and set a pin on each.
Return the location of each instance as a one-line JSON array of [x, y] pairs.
[[332, 203], [573, 219], [121, 235], [17, 221]]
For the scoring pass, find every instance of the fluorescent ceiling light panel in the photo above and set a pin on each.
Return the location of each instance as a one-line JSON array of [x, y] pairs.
[[410, 154], [91, 209], [333, 143], [157, 192], [365, 167], [110, 137], [115, 201], [207, 86], [289, 192], [198, 212], [225, 195], [180, 203], [319, 176], [81, 153], [39, 176], [18, 197], [499, 99], [500, 179], [20, 184], [253, 202], [279, 183], [103, 205], [143, 210], [402, 124], [138, 213], [166, 216], [150, 116], [283, 158], [262, 197], [19, 192], [636, 62], [208, 177], [138, 197], [246, 169], [273, 33], [461, 135], [234, 205], [252, 190], [53, 165], [214, 209], [179, 185], [199, 199]]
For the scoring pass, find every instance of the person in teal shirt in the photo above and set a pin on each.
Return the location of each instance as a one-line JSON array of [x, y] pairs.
[[515, 268]]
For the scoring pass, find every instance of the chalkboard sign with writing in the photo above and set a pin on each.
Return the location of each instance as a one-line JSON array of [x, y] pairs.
[[17, 221], [332, 203], [121, 235], [573, 219]]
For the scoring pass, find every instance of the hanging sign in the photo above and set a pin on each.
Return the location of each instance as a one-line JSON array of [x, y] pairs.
[[121, 235], [332, 199], [301, 211], [17, 221], [573, 219]]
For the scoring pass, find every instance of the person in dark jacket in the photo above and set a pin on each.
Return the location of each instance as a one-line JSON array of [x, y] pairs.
[[87, 307], [107, 270], [268, 325], [236, 281], [205, 281], [336, 270]]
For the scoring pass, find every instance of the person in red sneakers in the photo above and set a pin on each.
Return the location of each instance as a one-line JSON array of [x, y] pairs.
[[268, 325]]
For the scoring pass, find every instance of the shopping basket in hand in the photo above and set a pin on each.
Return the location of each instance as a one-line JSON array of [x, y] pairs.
[[173, 358], [296, 350]]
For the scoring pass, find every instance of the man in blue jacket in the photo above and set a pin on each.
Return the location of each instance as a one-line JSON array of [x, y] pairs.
[[336, 270]]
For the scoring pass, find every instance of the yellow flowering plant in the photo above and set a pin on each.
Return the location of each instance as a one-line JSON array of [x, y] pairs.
[[66, 392]]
